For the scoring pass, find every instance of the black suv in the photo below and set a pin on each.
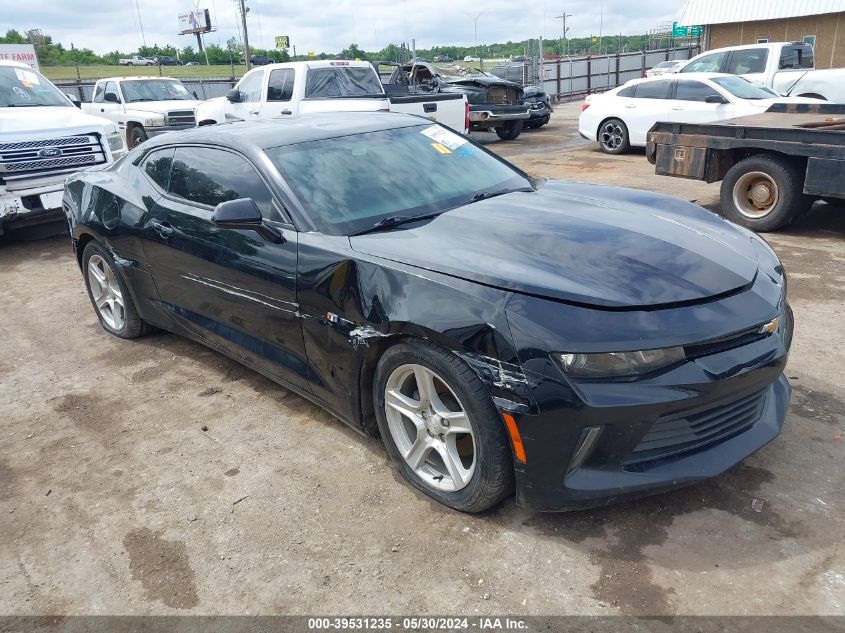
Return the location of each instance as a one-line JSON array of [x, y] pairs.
[[260, 60], [167, 61]]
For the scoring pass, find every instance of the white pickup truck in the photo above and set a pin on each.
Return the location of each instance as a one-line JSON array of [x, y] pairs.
[[43, 139], [276, 90], [143, 106], [786, 67], [135, 60]]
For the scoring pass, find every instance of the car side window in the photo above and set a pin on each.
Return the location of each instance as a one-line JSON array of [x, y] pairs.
[[209, 176], [250, 87], [751, 60], [627, 92], [694, 91], [98, 93], [157, 166], [111, 89], [280, 85], [653, 89], [707, 64]]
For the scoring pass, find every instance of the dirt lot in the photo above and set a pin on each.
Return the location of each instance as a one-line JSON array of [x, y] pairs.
[[114, 500]]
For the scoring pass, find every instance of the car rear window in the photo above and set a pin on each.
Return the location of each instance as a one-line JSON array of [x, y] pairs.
[[800, 56], [342, 81]]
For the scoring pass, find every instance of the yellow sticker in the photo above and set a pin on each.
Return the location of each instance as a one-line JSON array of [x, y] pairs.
[[26, 84], [441, 148]]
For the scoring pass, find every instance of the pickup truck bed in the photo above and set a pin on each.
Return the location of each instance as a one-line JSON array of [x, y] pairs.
[[772, 165]]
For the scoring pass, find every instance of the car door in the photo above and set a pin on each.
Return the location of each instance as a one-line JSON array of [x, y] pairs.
[[689, 104], [249, 107], [749, 63], [111, 105], [649, 105], [279, 93], [227, 286]]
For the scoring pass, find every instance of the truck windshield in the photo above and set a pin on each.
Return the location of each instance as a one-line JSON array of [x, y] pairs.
[[25, 88], [743, 88], [348, 184], [342, 81], [154, 90]]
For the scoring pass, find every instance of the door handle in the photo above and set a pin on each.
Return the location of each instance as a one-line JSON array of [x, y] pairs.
[[253, 111], [677, 107], [630, 106], [286, 112], [162, 228], [429, 107]]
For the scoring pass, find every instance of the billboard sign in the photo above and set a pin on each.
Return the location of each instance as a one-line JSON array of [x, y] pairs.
[[198, 21], [686, 31], [24, 53], [282, 41]]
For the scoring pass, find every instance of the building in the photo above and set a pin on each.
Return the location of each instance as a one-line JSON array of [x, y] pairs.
[[734, 22]]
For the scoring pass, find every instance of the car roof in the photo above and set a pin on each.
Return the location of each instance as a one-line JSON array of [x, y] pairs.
[[249, 136]]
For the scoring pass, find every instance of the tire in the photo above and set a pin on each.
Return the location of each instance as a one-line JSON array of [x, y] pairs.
[[509, 131], [124, 321], [421, 433], [613, 137], [137, 135], [129, 64], [763, 193], [542, 122]]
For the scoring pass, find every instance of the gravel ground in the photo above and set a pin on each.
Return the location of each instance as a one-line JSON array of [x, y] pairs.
[[115, 500]]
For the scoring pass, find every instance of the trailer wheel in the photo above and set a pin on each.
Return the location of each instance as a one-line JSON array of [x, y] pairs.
[[763, 193]]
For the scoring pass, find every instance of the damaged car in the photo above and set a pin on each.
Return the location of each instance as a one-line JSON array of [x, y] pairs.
[[573, 344], [494, 103]]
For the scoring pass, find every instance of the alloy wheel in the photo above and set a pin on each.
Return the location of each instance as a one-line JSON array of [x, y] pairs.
[[611, 136], [430, 427], [105, 290]]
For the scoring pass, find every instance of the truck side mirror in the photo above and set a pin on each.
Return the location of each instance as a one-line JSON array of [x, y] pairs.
[[74, 99], [234, 95], [111, 97]]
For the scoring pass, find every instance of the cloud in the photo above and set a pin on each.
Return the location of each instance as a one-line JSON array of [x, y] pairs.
[[331, 25]]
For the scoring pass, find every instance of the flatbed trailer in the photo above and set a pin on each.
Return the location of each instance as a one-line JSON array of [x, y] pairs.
[[772, 166]]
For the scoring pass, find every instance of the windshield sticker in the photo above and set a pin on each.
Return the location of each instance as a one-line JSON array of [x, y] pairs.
[[26, 77], [444, 137], [441, 148]]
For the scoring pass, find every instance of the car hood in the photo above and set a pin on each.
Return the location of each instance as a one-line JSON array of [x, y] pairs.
[[587, 244], [162, 106], [48, 121]]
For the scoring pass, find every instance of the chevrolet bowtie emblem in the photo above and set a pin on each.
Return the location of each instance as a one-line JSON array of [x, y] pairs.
[[770, 327]]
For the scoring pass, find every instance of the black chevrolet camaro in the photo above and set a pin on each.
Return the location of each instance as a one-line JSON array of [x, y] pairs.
[[576, 344]]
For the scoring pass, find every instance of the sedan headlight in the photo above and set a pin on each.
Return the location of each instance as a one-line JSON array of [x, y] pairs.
[[617, 364]]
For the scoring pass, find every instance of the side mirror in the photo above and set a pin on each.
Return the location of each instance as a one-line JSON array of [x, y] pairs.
[[234, 95], [244, 214], [111, 97], [195, 94], [74, 99], [715, 99]]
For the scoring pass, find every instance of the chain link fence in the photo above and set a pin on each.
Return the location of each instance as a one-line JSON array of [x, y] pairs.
[[202, 87]]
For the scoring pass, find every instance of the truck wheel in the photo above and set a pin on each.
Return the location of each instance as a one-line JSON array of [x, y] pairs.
[[129, 64], [137, 136], [509, 131], [763, 193], [613, 137]]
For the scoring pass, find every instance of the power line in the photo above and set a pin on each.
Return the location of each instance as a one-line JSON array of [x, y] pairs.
[[141, 24]]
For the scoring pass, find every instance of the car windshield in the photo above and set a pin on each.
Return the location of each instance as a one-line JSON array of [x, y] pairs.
[[743, 88], [347, 184], [25, 88], [155, 90], [342, 81]]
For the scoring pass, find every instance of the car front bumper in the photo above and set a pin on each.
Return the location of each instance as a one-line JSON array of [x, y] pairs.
[[653, 435], [30, 208]]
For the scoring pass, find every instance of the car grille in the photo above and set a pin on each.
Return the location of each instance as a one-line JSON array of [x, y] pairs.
[[684, 432], [181, 117], [24, 160]]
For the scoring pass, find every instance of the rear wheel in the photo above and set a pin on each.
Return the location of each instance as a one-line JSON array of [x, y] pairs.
[[763, 193], [613, 137], [440, 427], [109, 295], [509, 131]]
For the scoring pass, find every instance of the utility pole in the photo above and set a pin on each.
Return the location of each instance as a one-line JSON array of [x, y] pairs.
[[244, 9], [475, 21], [564, 30]]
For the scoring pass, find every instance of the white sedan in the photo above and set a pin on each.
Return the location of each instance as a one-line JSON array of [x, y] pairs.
[[621, 118], [665, 68]]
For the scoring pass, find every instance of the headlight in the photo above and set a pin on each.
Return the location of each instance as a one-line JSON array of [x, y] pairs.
[[115, 142], [154, 121], [614, 364]]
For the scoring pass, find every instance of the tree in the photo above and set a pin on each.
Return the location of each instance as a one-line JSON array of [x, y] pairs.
[[13, 37], [353, 52]]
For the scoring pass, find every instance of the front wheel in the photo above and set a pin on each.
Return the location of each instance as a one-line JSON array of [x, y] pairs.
[[509, 131], [763, 193], [440, 427], [137, 136], [613, 137]]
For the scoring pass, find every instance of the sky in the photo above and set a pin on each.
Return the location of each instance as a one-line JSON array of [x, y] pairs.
[[331, 25]]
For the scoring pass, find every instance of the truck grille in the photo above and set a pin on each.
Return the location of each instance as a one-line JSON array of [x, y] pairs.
[[681, 433], [35, 159], [181, 117]]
